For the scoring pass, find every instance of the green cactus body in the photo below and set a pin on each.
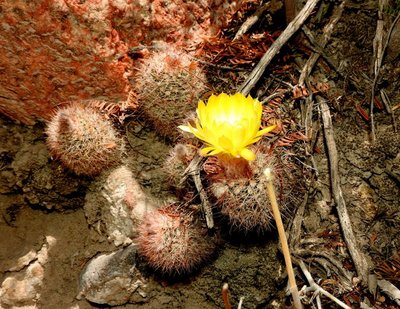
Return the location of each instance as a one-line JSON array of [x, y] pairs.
[[83, 140], [169, 85]]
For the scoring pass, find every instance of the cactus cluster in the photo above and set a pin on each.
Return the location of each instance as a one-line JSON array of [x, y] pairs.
[[83, 140], [169, 84], [173, 241], [239, 189]]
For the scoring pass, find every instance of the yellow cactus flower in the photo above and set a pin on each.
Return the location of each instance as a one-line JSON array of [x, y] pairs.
[[229, 124]]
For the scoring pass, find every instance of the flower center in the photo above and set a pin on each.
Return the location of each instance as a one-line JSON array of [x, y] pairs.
[[231, 120]]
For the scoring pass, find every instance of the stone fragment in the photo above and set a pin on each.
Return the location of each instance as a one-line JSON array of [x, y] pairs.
[[115, 203], [113, 279], [22, 288]]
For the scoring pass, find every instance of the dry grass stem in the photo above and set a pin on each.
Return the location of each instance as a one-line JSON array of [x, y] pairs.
[[282, 237], [225, 296]]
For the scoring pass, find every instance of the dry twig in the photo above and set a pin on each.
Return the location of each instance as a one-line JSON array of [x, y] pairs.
[[271, 6], [258, 71], [327, 32], [389, 110], [325, 259], [359, 259], [379, 52], [194, 171], [390, 290], [295, 229], [317, 289]]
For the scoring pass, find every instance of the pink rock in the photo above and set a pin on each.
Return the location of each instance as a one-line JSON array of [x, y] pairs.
[[53, 51]]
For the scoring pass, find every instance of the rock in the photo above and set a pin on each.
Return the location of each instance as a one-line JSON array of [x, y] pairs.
[[115, 203], [29, 158], [7, 181], [66, 49], [62, 50], [113, 279], [22, 288]]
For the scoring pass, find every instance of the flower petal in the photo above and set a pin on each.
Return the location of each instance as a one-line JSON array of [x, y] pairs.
[[247, 154], [185, 128], [266, 130], [225, 143], [201, 112], [210, 151], [228, 124]]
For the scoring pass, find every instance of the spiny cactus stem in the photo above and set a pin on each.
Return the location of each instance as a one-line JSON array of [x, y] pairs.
[[64, 123], [282, 238]]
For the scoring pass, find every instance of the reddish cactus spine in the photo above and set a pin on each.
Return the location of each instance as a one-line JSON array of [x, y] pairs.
[[83, 140]]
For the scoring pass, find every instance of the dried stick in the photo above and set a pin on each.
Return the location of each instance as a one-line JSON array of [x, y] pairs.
[[327, 32], [314, 46], [317, 289], [194, 170], [389, 110], [379, 51], [295, 229], [282, 237], [240, 303], [271, 6], [390, 290], [225, 296], [294, 25], [358, 257], [323, 259], [274, 95]]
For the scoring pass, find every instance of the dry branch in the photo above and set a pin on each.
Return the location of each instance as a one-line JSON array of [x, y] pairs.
[[317, 289], [359, 259], [324, 259], [327, 32], [379, 52], [271, 6], [194, 171], [295, 229], [390, 290], [258, 71]]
